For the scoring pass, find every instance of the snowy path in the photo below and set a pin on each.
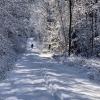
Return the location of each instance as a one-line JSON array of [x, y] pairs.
[[38, 78]]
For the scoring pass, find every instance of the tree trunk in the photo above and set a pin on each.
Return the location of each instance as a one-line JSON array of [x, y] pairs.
[[70, 26], [92, 28], [62, 26]]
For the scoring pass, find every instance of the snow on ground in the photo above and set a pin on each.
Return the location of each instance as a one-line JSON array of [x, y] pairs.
[[36, 77], [90, 66], [46, 55]]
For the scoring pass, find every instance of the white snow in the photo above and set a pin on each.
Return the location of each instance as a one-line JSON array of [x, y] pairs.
[[35, 77], [46, 55]]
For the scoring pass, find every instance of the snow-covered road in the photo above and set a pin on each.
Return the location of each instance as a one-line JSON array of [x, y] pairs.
[[35, 77]]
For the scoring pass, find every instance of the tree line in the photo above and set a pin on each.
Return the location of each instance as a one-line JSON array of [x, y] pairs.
[[72, 26]]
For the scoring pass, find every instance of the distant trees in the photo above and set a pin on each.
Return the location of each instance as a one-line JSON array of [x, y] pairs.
[[69, 26], [78, 25], [14, 16], [14, 23]]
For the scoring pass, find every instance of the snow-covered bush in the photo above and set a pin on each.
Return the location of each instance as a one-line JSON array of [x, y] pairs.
[[14, 18], [91, 67]]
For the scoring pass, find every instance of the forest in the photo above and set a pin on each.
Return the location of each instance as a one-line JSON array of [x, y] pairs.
[[69, 30]]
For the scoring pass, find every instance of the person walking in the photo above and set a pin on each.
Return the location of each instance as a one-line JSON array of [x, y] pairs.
[[32, 45]]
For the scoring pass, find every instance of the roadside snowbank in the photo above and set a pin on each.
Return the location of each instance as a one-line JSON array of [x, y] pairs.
[[91, 67], [8, 54]]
